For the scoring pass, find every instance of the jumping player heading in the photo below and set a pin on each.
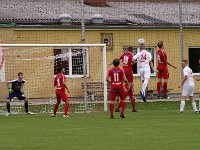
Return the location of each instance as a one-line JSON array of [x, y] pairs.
[[144, 59]]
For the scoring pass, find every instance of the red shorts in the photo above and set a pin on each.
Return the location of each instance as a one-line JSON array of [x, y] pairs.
[[117, 91], [129, 74], [61, 95], [163, 73]]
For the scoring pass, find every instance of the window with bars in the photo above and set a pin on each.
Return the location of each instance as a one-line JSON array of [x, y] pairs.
[[71, 59]]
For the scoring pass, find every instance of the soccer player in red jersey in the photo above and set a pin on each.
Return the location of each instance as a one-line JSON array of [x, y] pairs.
[[162, 69], [60, 84], [127, 60], [116, 77]]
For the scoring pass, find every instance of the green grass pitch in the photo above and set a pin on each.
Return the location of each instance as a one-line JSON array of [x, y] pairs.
[[148, 129]]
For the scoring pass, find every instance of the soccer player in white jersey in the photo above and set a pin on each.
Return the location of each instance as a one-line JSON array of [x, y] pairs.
[[187, 87], [144, 62]]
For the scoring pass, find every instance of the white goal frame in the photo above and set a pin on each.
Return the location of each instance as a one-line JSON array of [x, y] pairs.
[[73, 45]]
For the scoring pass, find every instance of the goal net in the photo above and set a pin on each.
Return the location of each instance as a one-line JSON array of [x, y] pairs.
[[85, 66]]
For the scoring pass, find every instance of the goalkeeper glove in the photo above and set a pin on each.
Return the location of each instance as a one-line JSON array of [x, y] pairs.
[[10, 90]]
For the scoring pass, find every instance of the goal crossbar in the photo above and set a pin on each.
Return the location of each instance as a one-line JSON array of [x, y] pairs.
[[52, 45]]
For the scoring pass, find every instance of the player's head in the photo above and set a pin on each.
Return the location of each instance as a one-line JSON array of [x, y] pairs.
[[61, 70], [142, 47], [130, 49], [184, 63], [116, 62], [20, 75], [160, 44]]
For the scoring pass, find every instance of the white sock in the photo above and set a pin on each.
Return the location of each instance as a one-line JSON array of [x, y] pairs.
[[182, 105], [144, 85], [194, 106]]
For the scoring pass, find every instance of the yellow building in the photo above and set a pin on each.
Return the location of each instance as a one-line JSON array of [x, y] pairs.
[[39, 69]]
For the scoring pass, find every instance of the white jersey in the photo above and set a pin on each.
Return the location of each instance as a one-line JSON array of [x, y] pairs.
[[188, 72], [143, 58]]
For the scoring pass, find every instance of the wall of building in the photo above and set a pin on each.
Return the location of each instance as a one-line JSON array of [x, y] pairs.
[[39, 74]]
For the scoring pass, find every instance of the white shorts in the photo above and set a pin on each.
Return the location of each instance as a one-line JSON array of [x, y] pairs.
[[145, 73], [188, 91]]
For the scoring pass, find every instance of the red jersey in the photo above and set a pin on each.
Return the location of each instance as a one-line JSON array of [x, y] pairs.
[[58, 81], [117, 76], [127, 58], [162, 59]]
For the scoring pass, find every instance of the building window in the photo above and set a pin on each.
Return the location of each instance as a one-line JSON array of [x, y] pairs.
[[71, 59], [152, 50], [107, 38], [194, 56]]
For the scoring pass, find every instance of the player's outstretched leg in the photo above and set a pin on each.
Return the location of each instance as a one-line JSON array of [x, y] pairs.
[[66, 109], [111, 109]]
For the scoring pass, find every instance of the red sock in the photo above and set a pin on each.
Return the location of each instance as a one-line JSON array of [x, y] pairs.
[[119, 105], [55, 108], [123, 106], [130, 94], [66, 108], [111, 108], [165, 89], [158, 87], [133, 103]]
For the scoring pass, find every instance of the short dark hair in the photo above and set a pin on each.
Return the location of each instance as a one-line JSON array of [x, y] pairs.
[[60, 69], [130, 49], [185, 61], [160, 44], [116, 62], [20, 73]]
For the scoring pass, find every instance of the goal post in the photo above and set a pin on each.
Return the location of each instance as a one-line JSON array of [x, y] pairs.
[[18, 56]]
